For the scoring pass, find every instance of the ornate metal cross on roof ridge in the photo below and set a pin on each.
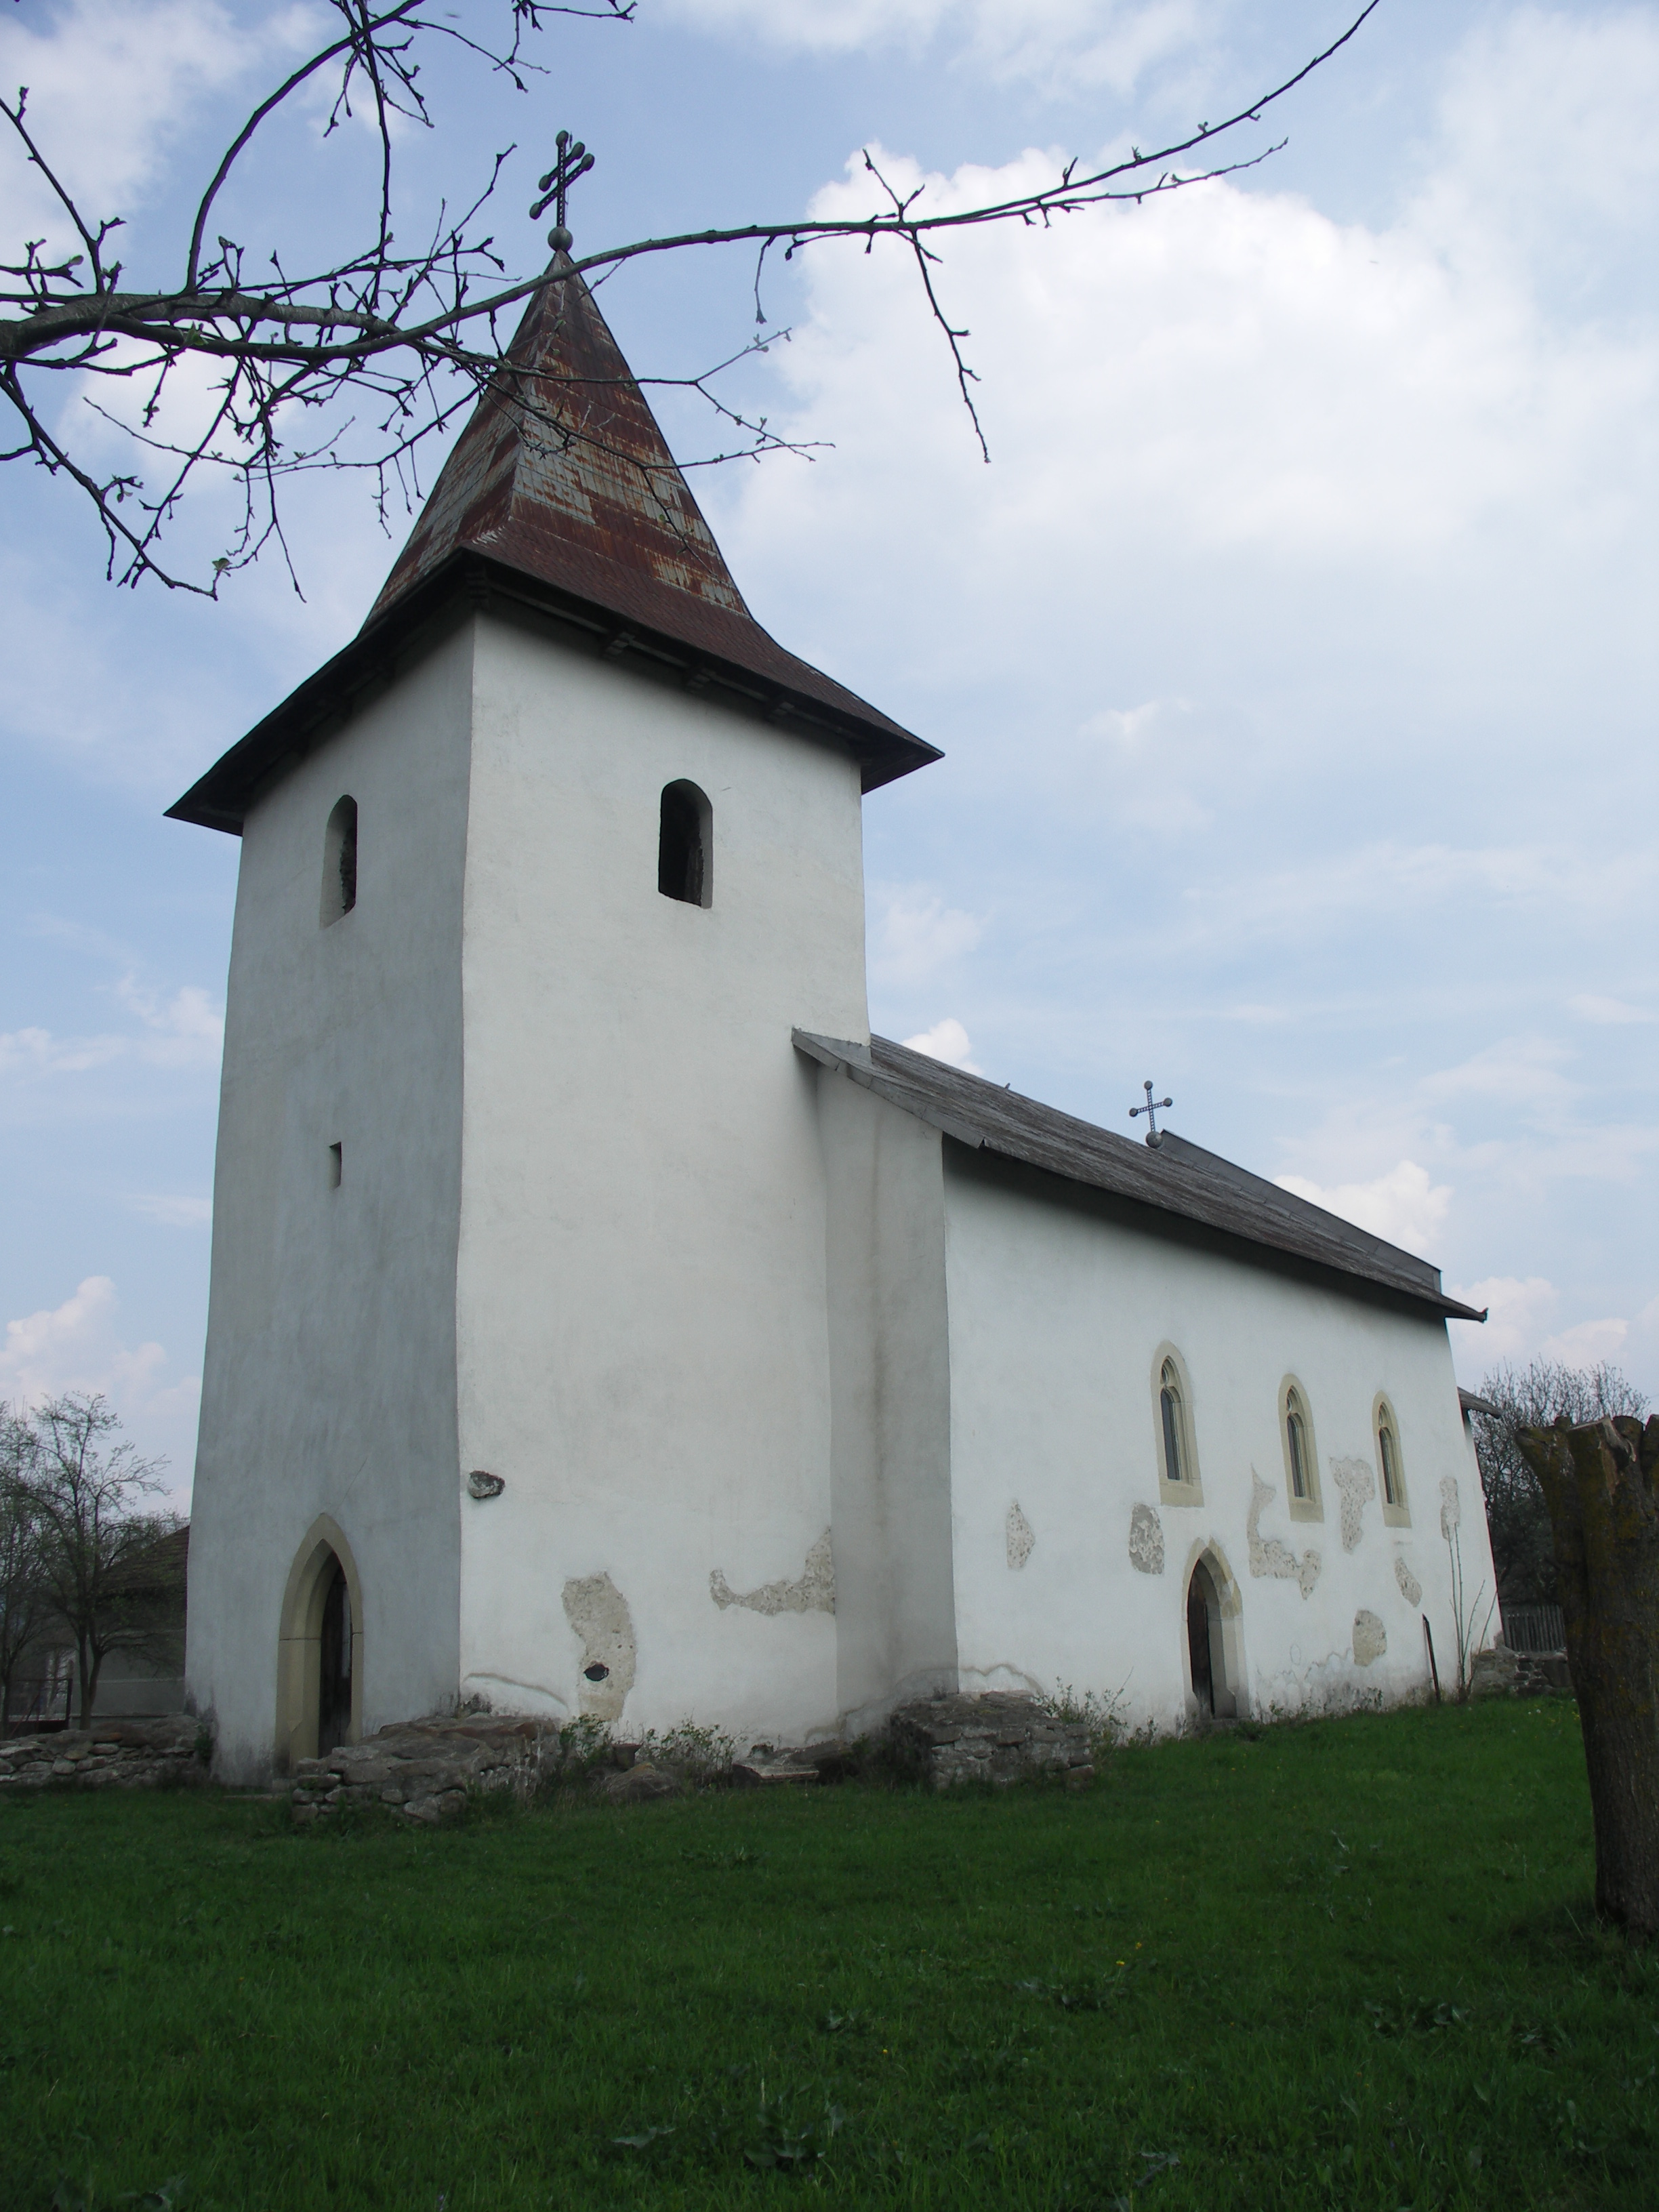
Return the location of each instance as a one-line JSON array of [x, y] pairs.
[[574, 161], [1154, 1134]]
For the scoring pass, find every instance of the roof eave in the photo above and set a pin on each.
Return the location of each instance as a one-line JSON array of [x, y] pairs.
[[856, 1060], [220, 798]]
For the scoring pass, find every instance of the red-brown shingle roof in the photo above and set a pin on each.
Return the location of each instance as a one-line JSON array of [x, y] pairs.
[[561, 491]]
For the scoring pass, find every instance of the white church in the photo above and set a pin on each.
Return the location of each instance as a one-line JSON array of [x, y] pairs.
[[602, 1321]]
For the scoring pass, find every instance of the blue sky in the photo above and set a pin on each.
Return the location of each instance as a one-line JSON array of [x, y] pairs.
[[1294, 659]]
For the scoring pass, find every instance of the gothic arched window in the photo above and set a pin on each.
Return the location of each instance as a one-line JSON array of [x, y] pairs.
[[1296, 1437], [685, 846], [340, 861], [1295, 1433], [1170, 1407], [1394, 1507]]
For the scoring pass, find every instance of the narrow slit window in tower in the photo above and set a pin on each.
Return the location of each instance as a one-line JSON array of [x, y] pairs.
[[684, 840], [340, 861]]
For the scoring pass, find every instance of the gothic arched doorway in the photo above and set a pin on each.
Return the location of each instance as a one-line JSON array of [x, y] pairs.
[[320, 1649], [1214, 1691]]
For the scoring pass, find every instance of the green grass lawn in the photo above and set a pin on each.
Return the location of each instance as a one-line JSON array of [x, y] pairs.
[[1349, 1964]]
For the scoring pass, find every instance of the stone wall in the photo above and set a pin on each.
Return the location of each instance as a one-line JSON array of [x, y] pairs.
[[424, 1769], [117, 1754], [1501, 1672], [999, 1737]]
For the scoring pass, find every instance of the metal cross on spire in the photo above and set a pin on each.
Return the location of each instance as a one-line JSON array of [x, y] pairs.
[[574, 161], [1154, 1134]]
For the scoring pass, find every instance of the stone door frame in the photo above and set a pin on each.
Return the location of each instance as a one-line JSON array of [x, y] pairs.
[[300, 1641]]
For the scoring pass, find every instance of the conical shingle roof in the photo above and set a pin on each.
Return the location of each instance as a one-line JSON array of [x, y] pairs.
[[562, 492], [564, 475]]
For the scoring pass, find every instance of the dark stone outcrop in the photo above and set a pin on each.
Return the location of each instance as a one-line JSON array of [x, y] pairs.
[[149, 1755]]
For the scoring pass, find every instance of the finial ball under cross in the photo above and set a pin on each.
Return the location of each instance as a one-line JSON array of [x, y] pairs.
[[574, 161], [1154, 1134]]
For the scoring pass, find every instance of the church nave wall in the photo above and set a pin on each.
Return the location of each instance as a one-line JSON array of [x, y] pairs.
[[1060, 1315]]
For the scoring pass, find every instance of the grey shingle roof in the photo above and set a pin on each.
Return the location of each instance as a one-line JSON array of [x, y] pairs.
[[1174, 1178]]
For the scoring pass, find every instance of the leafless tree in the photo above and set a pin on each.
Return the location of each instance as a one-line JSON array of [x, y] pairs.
[[353, 364], [100, 1574], [25, 1607], [1534, 1396]]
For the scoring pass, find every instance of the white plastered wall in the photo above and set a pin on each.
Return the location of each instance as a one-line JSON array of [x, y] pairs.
[[328, 1386], [643, 1332], [1056, 1311], [890, 1403]]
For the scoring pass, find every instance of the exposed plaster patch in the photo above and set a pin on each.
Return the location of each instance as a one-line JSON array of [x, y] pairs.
[[1371, 1639], [1267, 1555], [1358, 1485], [1145, 1540], [598, 1612], [1451, 1507], [1021, 1536], [815, 1592], [481, 1484], [1410, 1589]]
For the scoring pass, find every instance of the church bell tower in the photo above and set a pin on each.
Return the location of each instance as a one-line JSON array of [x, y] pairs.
[[517, 1339]]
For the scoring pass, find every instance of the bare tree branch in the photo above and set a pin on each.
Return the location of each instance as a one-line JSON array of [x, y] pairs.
[[388, 327]]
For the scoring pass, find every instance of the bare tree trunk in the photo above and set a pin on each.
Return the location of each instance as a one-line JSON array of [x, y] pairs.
[[1598, 1481], [87, 1667]]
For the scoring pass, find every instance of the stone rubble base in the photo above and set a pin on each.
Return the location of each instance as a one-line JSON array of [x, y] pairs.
[[427, 1769], [1501, 1672], [424, 1768], [999, 1737], [155, 1754]]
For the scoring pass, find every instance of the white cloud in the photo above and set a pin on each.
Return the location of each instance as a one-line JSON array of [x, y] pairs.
[[1518, 1309], [109, 91], [947, 1040], [173, 1211], [915, 934], [183, 1030], [1077, 42], [1524, 1071], [38, 1052], [1609, 1013], [1587, 1343], [1517, 1326], [77, 1346], [1402, 1206]]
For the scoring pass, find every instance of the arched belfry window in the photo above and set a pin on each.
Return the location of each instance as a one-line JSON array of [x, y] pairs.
[[1296, 1432], [1395, 1510], [1172, 1401], [685, 841], [340, 861]]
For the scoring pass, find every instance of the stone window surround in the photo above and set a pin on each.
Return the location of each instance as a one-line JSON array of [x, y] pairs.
[[1398, 1515], [1312, 1507], [1190, 1493]]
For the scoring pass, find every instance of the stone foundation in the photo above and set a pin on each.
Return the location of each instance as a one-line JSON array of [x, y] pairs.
[[155, 1755], [1501, 1672], [424, 1769], [999, 1737]]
